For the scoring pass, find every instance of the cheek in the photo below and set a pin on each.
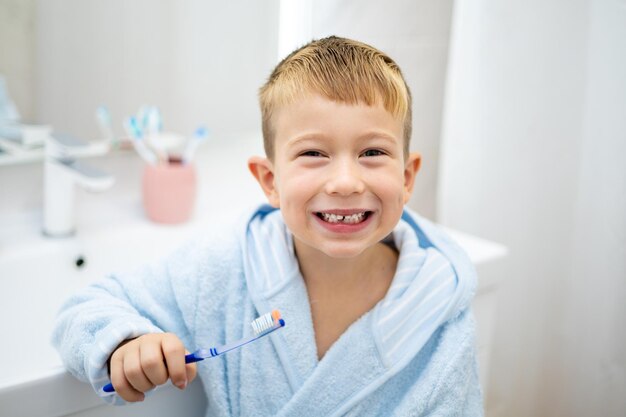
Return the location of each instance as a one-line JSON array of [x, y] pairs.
[[298, 178], [294, 189], [389, 185]]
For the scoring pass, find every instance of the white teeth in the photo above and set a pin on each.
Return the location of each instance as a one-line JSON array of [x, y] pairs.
[[337, 218]]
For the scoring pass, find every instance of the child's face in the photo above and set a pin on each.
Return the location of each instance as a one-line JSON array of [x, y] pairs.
[[334, 159]]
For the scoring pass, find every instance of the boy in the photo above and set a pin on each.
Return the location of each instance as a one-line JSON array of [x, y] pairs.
[[375, 298]]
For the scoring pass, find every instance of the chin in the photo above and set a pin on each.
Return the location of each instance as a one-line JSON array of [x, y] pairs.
[[342, 251]]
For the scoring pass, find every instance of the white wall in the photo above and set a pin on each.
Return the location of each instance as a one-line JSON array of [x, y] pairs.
[[200, 62], [17, 56], [589, 351], [534, 138], [415, 34]]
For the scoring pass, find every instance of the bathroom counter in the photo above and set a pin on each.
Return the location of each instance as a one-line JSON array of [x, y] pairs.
[[37, 274]]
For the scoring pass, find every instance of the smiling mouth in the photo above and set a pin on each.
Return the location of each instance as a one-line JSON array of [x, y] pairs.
[[354, 218]]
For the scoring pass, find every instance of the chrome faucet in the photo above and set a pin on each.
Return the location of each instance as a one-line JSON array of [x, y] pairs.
[[62, 173]]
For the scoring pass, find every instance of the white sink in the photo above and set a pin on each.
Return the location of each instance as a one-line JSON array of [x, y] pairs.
[[34, 283]]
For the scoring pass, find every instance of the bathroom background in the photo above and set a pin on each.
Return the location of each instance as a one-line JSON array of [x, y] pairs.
[[519, 112]]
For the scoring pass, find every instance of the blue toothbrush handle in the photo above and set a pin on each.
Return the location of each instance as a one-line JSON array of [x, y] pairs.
[[202, 354], [191, 358]]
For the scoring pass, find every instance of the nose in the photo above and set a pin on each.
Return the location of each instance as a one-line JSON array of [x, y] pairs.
[[344, 178]]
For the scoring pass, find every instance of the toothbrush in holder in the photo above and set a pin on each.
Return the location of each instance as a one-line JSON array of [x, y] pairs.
[[136, 134], [261, 327], [199, 136], [154, 122]]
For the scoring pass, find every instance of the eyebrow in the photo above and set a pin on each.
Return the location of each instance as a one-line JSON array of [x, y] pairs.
[[307, 137], [310, 137], [376, 134]]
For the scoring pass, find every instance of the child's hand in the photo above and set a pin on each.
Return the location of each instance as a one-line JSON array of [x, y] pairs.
[[141, 364]]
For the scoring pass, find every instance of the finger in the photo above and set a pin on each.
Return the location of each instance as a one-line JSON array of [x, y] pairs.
[[191, 370], [174, 353], [152, 363], [134, 372], [123, 388]]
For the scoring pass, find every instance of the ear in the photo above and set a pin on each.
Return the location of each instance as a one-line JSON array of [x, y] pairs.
[[263, 171], [411, 167]]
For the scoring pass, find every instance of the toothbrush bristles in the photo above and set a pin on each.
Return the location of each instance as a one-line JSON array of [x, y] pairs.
[[276, 315], [265, 322]]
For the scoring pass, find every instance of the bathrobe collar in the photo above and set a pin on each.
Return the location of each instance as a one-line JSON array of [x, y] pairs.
[[434, 282]]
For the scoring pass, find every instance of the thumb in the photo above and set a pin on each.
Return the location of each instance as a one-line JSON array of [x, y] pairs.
[[191, 369]]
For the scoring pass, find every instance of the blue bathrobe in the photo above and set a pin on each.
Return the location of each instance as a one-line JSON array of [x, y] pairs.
[[413, 354]]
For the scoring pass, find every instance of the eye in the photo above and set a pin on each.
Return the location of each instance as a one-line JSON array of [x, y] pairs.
[[373, 152], [311, 153]]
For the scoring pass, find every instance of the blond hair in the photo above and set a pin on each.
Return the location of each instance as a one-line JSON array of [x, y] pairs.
[[341, 70]]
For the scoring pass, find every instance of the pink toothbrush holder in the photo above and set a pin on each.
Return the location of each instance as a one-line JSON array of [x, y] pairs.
[[169, 192]]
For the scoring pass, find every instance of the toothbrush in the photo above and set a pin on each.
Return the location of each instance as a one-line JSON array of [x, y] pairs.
[[149, 119], [262, 326], [199, 136], [138, 143], [142, 117], [154, 122]]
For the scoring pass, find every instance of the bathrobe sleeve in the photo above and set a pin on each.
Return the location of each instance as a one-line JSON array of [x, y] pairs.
[[155, 298]]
